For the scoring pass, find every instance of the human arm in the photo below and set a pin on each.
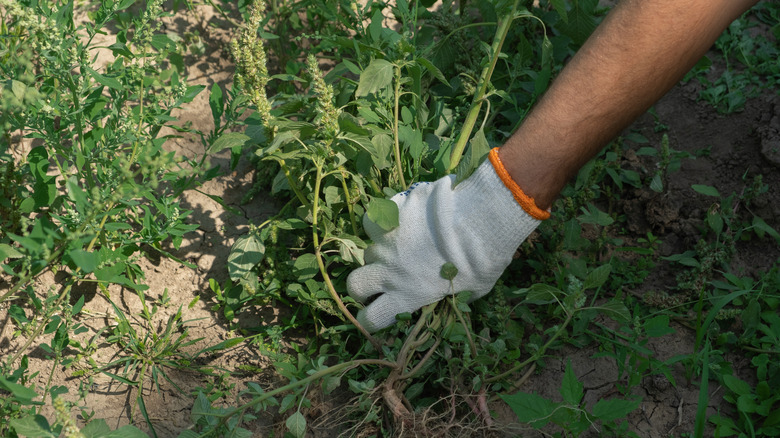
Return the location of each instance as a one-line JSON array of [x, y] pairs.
[[641, 49]]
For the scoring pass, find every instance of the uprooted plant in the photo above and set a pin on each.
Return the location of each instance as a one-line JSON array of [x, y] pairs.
[[392, 112]]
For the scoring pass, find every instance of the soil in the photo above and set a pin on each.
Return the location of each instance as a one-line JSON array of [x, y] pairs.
[[739, 145]]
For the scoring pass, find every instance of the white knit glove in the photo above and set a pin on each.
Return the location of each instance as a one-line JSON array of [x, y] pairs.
[[478, 226]]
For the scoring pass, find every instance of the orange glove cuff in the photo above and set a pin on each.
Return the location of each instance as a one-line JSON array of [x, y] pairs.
[[524, 200]]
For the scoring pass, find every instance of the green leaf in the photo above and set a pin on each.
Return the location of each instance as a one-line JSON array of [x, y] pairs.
[[592, 215], [541, 293], [448, 271], [227, 140], [772, 420], [736, 385], [713, 312], [383, 146], [96, 428], [433, 70], [7, 251], [128, 431], [246, 252], [530, 408], [581, 21], [38, 160], [105, 80], [22, 394], [162, 42], [597, 277], [305, 267], [117, 226], [330, 383], [45, 189], [746, 404], [686, 258], [762, 227], [192, 92], [287, 402], [33, 426], [383, 212], [715, 221], [657, 184], [217, 103], [351, 248], [706, 190], [17, 314], [613, 409], [77, 194], [124, 4], [478, 150], [704, 393], [615, 310], [224, 345], [560, 8], [658, 326], [19, 89], [87, 261], [292, 224], [378, 75], [296, 424], [119, 378], [571, 388]]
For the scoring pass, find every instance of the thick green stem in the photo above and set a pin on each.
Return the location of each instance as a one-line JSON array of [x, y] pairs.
[[484, 80], [398, 163]]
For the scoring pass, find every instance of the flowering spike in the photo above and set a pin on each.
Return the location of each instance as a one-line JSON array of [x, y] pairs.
[[251, 71], [329, 114]]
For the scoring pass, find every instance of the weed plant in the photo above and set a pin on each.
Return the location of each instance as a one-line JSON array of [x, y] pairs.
[[412, 103], [400, 106], [89, 189], [750, 58]]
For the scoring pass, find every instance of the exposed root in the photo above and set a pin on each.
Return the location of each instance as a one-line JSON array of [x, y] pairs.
[[372, 415]]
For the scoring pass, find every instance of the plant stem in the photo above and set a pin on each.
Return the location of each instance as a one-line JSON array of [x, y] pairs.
[[342, 367], [321, 263], [293, 183], [484, 80], [536, 356], [349, 201], [466, 327], [398, 164]]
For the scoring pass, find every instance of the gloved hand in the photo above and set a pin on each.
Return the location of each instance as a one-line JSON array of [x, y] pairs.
[[477, 226]]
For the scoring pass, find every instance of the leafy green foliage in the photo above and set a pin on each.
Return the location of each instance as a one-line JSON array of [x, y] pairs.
[[751, 60], [570, 414], [97, 190], [88, 187]]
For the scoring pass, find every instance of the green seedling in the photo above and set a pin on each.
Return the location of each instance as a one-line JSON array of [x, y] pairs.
[[571, 415]]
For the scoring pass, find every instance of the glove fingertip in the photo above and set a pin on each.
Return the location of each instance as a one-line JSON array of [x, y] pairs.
[[364, 320], [359, 284], [381, 313]]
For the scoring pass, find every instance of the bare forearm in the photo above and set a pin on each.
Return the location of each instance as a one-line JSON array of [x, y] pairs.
[[635, 56]]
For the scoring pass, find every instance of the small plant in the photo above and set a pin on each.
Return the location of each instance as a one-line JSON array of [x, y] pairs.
[[750, 61], [571, 414]]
